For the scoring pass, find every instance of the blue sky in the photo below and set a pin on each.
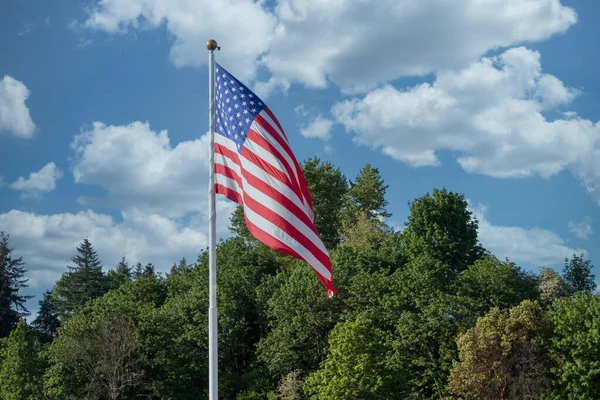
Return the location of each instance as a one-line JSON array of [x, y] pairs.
[[103, 115]]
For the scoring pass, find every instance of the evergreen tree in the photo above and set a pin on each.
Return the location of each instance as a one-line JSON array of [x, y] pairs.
[[21, 369], [84, 282], [12, 305], [138, 270], [578, 274], [46, 323], [149, 270], [123, 268], [367, 194]]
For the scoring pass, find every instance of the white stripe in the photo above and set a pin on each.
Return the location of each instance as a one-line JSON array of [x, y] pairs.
[[268, 180], [279, 234], [228, 183], [273, 142], [273, 125], [267, 118], [284, 213]]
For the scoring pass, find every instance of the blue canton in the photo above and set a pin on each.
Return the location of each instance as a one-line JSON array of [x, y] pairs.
[[236, 107]]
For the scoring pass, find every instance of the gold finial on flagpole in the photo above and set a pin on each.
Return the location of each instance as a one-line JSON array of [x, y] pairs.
[[212, 45]]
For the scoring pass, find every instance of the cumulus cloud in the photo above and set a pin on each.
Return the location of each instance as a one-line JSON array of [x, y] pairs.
[[38, 183], [491, 113], [318, 127], [539, 247], [14, 114], [311, 42], [583, 229], [139, 168], [242, 27], [47, 242]]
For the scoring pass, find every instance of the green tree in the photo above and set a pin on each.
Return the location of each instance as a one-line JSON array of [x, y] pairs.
[[576, 346], [12, 305], [577, 272], [504, 356], [441, 227], [367, 194], [494, 283], [21, 367], [46, 323], [83, 282], [355, 367]]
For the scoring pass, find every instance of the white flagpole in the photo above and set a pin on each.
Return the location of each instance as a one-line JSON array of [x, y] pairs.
[[213, 355]]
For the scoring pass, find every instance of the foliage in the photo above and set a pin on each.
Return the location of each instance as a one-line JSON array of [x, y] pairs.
[[552, 286], [84, 282], [355, 367], [367, 195], [577, 272], [441, 227], [21, 366], [504, 356], [46, 323], [576, 346], [12, 305]]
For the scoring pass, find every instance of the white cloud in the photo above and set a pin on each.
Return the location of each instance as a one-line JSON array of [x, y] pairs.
[[355, 44], [583, 229], [491, 113], [539, 247], [38, 183], [242, 27], [47, 242], [14, 114], [139, 168], [318, 127]]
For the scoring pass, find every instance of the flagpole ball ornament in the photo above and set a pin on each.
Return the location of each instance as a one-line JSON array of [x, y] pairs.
[[211, 45]]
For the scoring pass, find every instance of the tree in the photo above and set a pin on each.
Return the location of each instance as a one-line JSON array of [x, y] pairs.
[[441, 227], [367, 194], [355, 367], [576, 346], [504, 356], [551, 286], [84, 282], [46, 323], [21, 367], [578, 274], [12, 305], [327, 186], [123, 268]]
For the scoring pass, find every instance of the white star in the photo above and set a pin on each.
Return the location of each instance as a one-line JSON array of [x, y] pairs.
[[227, 91], [241, 88], [240, 124], [250, 95], [259, 103], [236, 105], [224, 75], [238, 115], [235, 97], [242, 95], [245, 111], [227, 100], [247, 120], [232, 82], [229, 109], [244, 103], [233, 89], [237, 136], [253, 110], [226, 124]]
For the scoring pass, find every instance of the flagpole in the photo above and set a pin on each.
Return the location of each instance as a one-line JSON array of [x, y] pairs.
[[213, 355]]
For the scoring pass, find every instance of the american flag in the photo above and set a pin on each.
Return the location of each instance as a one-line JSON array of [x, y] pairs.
[[255, 167]]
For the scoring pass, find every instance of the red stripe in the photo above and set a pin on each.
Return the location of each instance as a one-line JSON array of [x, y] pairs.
[[265, 166], [228, 172], [274, 194], [288, 228], [266, 126], [270, 113], [278, 245], [264, 143], [220, 149], [229, 193]]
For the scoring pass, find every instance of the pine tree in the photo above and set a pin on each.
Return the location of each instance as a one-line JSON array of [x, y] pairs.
[[46, 323], [123, 268], [367, 194], [84, 282], [138, 270], [21, 369], [12, 305]]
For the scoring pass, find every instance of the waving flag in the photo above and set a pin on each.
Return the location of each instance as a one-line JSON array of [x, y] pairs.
[[255, 167]]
